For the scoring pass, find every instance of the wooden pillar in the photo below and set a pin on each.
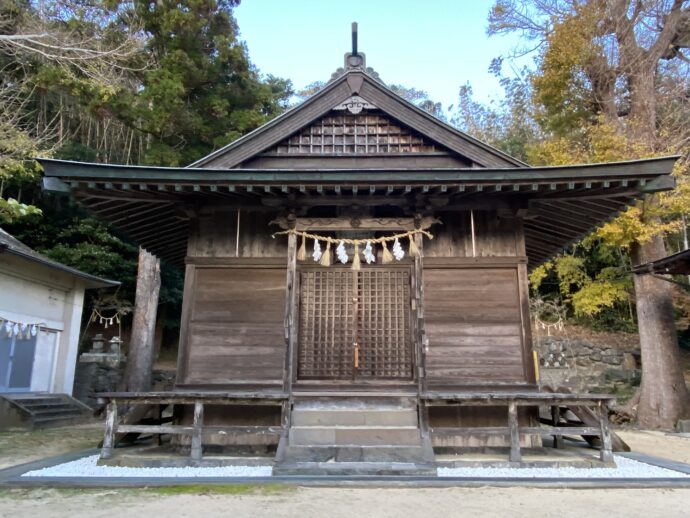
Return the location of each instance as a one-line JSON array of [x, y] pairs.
[[515, 455], [291, 318], [137, 377], [605, 453], [197, 433], [555, 419], [110, 429]]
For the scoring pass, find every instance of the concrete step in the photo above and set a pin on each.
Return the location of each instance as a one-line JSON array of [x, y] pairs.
[[56, 412], [354, 417], [354, 435], [44, 404], [55, 421], [27, 411]]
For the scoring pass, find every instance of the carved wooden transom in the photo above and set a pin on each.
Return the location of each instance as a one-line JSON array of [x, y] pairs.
[[366, 132]]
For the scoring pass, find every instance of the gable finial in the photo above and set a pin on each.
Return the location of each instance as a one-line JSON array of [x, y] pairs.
[[354, 59], [354, 38]]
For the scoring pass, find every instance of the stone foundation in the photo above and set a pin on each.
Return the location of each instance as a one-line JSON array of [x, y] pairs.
[[94, 377], [584, 366]]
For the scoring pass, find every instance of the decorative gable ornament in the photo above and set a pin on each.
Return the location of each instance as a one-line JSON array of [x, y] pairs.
[[355, 105]]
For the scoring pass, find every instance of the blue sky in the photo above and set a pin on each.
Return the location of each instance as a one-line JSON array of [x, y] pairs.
[[432, 45]]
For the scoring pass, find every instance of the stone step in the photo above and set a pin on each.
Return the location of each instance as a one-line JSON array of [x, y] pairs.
[[354, 417], [355, 402], [354, 435], [391, 469], [355, 454]]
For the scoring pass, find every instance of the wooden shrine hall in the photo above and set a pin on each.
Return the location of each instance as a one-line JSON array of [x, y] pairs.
[[356, 290]]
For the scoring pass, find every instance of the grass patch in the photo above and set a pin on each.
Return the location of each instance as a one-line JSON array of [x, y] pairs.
[[38, 493], [65, 438], [225, 489]]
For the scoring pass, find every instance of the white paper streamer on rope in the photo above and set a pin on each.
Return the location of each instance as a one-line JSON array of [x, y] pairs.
[[398, 251], [369, 255], [317, 251], [324, 258], [558, 325], [96, 316], [342, 253], [22, 330]]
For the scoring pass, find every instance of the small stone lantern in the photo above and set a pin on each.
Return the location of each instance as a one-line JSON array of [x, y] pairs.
[[97, 343]]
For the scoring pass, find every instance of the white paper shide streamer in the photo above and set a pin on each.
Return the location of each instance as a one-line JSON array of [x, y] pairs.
[[341, 253], [369, 255], [398, 251], [317, 251], [22, 330]]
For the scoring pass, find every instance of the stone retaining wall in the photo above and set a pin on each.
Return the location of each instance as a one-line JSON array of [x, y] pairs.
[[584, 366]]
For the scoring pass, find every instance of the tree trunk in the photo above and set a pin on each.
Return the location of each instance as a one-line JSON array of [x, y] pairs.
[[664, 398], [137, 376]]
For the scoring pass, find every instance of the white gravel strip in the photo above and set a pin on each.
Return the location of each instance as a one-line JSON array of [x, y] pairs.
[[625, 468], [87, 467]]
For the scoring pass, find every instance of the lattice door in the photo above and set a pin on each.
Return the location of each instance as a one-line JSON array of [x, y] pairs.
[[355, 324]]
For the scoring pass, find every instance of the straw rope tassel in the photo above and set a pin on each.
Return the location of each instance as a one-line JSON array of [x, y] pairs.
[[326, 257], [414, 250], [355, 259], [302, 252], [386, 256]]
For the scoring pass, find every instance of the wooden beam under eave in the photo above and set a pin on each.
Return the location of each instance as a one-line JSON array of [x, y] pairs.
[[533, 250], [547, 236], [169, 238], [574, 214], [545, 249], [143, 233], [125, 207], [577, 222], [141, 224], [537, 226], [549, 223], [601, 213], [93, 205]]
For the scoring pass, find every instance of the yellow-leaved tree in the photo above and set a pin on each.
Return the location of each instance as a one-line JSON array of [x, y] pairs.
[[612, 84]]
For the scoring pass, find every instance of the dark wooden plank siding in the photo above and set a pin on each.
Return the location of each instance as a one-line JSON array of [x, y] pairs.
[[473, 324], [494, 236], [393, 161], [236, 332], [215, 235]]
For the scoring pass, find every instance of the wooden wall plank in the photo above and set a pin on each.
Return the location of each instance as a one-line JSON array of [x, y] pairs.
[[494, 236], [215, 235], [236, 330], [473, 323]]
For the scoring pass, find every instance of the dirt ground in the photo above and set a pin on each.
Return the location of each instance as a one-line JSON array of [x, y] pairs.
[[282, 501], [658, 444], [346, 503]]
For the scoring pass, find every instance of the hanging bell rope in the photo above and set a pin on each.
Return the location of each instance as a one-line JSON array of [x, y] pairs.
[[324, 258]]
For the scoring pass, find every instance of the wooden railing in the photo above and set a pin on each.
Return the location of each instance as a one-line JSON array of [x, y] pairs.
[[197, 428], [599, 403]]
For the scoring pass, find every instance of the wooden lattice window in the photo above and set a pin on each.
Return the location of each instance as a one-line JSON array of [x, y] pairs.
[[341, 310], [363, 133]]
